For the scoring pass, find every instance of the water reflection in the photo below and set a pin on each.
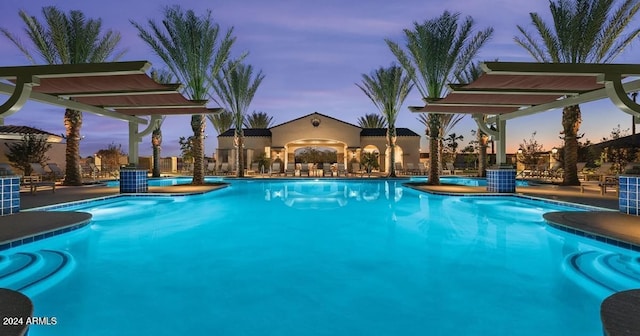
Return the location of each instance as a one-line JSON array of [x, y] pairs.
[[326, 195]]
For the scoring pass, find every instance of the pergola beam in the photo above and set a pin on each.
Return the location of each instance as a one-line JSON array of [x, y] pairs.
[[66, 103]]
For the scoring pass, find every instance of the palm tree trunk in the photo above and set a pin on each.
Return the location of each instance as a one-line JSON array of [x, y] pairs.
[[571, 120], [197, 125], [483, 140], [434, 150], [72, 125], [156, 141], [391, 139], [240, 154]]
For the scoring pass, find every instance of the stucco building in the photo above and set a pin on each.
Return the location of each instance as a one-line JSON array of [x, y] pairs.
[[281, 142]]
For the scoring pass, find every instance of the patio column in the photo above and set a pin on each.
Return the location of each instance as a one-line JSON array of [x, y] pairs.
[[501, 155], [135, 137]]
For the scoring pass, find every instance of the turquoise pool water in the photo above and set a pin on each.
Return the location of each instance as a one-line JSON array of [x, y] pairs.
[[326, 258]]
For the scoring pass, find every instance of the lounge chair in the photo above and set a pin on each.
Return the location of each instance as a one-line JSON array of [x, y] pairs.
[[40, 178], [56, 171], [356, 169], [291, 169], [253, 168], [452, 169], [304, 169], [341, 170], [399, 168], [224, 168], [326, 169], [6, 170], [275, 168], [211, 168], [411, 170]]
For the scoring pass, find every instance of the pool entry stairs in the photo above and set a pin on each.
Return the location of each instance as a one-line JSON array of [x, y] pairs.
[[603, 273], [32, 272]]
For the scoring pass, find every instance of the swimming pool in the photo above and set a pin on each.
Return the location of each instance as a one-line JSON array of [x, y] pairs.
[[326, 258], [168, 181], [466, 181]]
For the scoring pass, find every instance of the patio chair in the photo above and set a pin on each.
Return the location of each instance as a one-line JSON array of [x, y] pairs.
[[40, 178], [399, 168], [411, 169], [357, 169], [304, 169], [56, 171], [601, 172], [327, 169], [291, 169], [211, 168], [341, 170], [224, 168], [253, 170], [6, 170], [275, 168]]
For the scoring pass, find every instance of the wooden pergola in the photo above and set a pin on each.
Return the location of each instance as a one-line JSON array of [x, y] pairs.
[[507, 90], [120, 90]]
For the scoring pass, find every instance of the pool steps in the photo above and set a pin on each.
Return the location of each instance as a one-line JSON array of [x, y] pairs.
[[603, 273], [32, 272]]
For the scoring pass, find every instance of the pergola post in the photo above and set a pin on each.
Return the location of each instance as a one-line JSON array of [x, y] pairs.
[[134, 138], [501, 155]]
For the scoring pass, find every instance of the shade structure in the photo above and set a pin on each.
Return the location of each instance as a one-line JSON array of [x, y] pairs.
[[121, 90], [513, 89]]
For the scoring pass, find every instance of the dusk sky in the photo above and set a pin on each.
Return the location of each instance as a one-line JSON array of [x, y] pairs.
[[312, 54]]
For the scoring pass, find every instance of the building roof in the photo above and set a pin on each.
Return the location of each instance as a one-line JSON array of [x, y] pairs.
[[11, 129], [400, 131], [319, 114], [248, 132]]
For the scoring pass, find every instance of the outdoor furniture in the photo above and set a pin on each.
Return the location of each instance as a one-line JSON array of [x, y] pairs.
[[341, 170], [211, 168], [275, 168], [452, 169], [357, 169], [253, 169], [291, 169], [411, 169], [304, 169], [399, 169], [39, 178], [224, 168], [327, 169], [56, 171]]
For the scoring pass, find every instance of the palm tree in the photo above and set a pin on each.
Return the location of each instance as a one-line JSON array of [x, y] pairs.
[[388, 88], [258, 120], [435, 51], [236, 87], [372, 120], [67, 39], [221, 121], [161, 76], [192, 47], [583, 31], [447, 123]]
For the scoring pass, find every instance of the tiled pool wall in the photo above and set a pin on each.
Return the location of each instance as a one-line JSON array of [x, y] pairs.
[[501, 180], [134, 181], [34, 238], [629, 197], [10, 195]]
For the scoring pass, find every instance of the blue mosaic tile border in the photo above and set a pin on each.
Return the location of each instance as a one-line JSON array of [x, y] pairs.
[[40, 236], [629, 194], [9, 195], [501, 180], [134, 181], [597, 237]]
